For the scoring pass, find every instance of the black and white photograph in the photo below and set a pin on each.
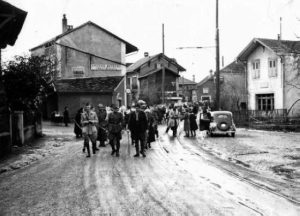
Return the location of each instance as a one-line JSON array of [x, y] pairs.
[[150, 107]]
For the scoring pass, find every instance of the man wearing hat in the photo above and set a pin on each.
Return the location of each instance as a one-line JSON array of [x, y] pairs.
[[102, 126], [115, 122], [138, 125]]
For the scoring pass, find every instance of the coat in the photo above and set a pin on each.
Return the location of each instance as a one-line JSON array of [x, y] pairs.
[[173, 118], [151, 129], [140, 125], [102, 134], [186, 122], [115, 124], [77, 125], [193, 122], [89, 121]]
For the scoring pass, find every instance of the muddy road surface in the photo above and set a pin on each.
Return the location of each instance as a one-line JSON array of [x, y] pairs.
[[174, 179]]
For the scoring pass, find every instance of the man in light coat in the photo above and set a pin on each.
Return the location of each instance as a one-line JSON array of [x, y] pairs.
[[89, 120]]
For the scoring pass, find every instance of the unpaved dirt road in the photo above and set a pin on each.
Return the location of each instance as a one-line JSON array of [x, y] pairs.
[[174, 179]]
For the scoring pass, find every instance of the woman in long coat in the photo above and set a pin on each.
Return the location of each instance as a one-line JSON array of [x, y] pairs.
[[186, 122], [193, 124], [151, 129]]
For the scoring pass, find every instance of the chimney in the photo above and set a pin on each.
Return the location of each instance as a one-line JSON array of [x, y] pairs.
[[193, 78], [64, 24], [278, 37], [146, 54]]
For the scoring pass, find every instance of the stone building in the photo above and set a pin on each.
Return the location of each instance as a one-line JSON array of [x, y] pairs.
[[206, 89], [90, 66], [188, 89], [233, 93], [154, 79]]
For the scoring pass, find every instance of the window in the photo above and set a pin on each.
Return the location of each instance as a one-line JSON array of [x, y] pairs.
[[205, 90], [265, 102], [272, 68], [134, 83], [205, 98], [128, 83], [256, 69]]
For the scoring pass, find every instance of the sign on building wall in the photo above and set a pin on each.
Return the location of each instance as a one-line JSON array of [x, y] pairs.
[[78, 71], [106, 67]]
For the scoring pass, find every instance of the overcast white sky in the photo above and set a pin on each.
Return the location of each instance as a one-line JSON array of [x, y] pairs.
[[187, 23]]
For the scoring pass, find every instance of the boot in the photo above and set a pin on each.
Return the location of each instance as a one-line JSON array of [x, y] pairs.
[[102, 144], [88, 152]]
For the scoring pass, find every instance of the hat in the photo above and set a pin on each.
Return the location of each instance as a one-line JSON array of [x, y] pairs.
[[100, 106], [113, 106]]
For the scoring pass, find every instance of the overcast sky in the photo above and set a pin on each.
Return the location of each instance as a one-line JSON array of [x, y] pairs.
[[187, 23]]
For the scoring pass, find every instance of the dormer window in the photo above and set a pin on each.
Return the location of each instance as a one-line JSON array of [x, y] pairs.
[[256, 69]]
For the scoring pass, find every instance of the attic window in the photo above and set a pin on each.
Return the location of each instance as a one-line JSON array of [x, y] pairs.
[[48, 44]]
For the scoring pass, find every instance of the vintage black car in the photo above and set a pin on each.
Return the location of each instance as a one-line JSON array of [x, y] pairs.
[[218, 122]]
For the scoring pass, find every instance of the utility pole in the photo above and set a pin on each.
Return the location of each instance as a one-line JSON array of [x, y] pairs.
[[163, 67], [217, 58]]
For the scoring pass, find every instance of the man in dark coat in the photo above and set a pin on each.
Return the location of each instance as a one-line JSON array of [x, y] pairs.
[[66, 116], [77, 123], [102, 126], [115, 124], [138, 126]]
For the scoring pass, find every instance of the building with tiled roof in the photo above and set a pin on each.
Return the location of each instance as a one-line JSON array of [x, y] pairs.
[[90, 67], [233, 94], [272, 75], [232, 87], [154, 79], [187, 89]]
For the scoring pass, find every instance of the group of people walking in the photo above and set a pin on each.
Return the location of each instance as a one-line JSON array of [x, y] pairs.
[[107, 124], [186, 114]]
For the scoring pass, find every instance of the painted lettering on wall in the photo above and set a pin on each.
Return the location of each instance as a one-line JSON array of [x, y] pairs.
[[78, 71], [106, 67]]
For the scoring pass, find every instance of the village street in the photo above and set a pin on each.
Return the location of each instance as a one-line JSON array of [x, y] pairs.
[[179, 176]]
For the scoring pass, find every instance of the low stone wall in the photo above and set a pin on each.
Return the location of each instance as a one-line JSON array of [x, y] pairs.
[[29, 133], [276, 127], [19, 134], [5, 143]]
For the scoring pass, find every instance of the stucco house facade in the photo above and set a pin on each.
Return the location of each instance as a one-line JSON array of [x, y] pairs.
[[273, 75], [90, 66], [154, 79]]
